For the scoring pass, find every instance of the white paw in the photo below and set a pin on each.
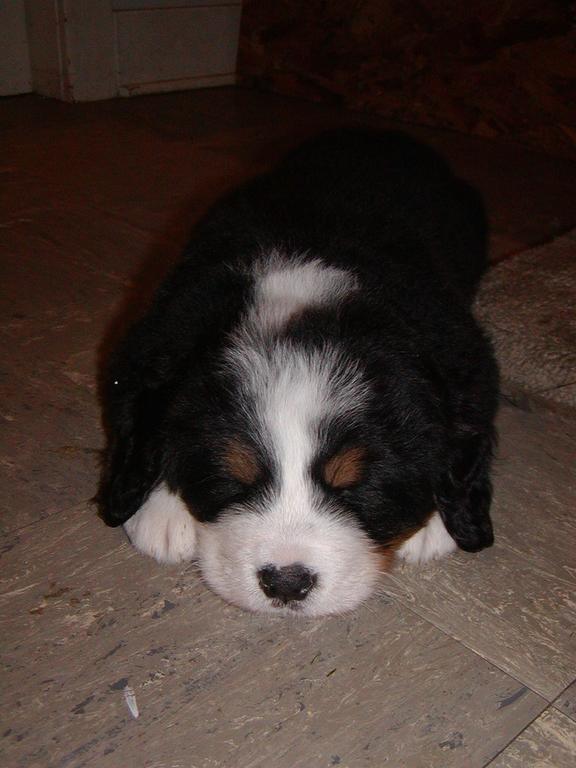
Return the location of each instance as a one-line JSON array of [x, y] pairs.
[[431, 541], [163, 528]]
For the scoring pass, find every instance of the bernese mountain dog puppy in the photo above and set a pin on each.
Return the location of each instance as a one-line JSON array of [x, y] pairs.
[[309, 396]]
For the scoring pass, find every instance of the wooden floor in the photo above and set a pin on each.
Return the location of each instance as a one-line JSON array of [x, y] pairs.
[[469, 662]]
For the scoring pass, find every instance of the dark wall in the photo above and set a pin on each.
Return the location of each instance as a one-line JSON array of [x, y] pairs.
[[486, 67]]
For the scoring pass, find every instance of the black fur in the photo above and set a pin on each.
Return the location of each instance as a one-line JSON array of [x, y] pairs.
[[388, 209]]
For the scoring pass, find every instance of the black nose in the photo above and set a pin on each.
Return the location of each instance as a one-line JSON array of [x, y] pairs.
[[291, 582]]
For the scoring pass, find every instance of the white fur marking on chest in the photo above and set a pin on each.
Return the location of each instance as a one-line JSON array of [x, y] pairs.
[[429, 543], [163, 528]]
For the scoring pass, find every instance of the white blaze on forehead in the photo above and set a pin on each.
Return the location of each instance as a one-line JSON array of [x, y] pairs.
[[295, 391], [291, 388], [290, 391]]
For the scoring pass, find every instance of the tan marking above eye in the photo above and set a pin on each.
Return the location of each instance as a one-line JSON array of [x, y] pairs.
[[345, 468], [240, 462]]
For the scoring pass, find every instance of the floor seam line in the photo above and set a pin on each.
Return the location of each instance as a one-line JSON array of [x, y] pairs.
[[461, 642], [486, 765]]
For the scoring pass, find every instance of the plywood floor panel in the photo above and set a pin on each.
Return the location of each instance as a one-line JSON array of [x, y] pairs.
[[82, 616]]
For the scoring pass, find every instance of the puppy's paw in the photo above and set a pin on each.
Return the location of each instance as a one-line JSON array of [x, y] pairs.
[[163, 528], [429, 543]]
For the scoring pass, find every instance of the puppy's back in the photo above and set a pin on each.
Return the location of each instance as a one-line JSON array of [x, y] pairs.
[[387, 188]]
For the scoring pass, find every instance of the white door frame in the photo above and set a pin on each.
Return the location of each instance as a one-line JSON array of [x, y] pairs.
[[71, 46]]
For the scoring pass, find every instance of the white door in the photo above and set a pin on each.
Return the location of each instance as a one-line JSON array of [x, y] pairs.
[[165, 45], [83, 50]]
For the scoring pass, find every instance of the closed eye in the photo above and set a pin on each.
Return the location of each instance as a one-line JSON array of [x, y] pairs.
[[346, 468], [241, 463]]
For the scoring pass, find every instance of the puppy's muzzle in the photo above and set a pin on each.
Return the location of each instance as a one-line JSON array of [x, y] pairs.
[[288, 583]]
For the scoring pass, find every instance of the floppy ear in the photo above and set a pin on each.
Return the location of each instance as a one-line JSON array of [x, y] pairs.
[[196, 303], [465, 493], [136, 394]]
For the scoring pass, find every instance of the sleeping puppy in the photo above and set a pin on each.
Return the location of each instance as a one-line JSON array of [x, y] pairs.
[[309, 397]]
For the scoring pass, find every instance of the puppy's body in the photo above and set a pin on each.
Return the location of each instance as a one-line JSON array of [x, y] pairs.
[[309, 393]]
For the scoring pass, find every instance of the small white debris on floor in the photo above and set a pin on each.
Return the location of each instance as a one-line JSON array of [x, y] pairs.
[[130, 698]]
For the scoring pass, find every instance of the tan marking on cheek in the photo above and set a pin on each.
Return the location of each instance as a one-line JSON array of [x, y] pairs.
[[240, 462], [345, 468]]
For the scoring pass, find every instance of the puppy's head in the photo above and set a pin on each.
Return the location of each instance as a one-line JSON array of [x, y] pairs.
[[302, 486]]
